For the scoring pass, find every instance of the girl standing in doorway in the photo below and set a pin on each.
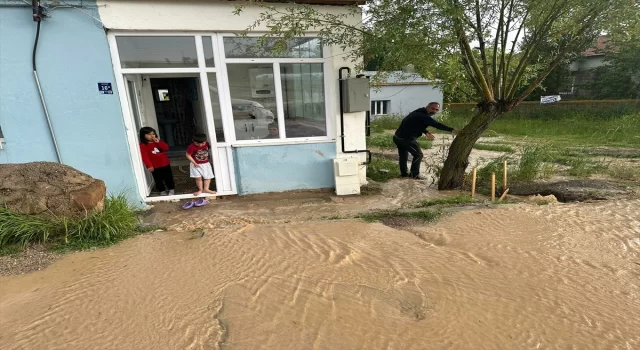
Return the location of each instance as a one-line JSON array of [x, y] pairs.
[[155, 158], [200, 168]]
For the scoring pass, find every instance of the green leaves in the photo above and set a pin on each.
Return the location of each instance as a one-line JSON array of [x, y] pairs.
[[485, 50]]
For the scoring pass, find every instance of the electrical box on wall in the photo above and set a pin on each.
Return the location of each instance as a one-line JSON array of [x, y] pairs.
[[356, 95]]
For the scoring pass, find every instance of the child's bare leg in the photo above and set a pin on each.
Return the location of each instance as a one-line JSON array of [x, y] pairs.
[[199, 184], [207, 182]]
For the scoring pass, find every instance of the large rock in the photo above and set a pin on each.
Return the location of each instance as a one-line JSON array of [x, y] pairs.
[[43, 187]]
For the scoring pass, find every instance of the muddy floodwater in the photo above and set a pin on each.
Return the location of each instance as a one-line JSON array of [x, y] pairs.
[[563, 276]]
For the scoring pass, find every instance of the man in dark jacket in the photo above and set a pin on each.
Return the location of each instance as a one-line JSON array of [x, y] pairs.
[[412, 126]]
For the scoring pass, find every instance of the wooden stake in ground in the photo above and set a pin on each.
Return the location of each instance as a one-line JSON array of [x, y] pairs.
[[504, 176], [473, 184], [493, 187], [504, 194]]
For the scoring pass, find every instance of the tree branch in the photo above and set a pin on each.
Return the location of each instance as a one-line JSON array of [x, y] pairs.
[[494, 64], [537, 38], [503, 48], [480, 34], [587, 23], [472, 77], [475, 68], [512, 52]]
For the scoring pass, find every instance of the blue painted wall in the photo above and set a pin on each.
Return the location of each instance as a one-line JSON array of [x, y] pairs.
[[283, 168], [73, 56]]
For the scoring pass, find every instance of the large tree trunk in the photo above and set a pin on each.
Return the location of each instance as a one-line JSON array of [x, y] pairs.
[[452, 174]]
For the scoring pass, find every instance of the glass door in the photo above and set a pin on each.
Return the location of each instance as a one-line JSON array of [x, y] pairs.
[[133, 94]]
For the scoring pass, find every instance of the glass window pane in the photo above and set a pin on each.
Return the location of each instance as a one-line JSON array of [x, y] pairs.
[[157, 51], [207, 45], [215, 106], [303, 97], [131, 88], [253, 100], [256, 47]]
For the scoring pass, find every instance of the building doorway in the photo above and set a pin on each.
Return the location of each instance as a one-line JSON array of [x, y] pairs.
[[179, 112], [173, 106]]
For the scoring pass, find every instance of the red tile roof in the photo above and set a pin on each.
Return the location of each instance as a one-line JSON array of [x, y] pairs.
[[600, 45]]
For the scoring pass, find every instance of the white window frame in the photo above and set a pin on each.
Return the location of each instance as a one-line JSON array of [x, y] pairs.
[[378, 105], [326, 67], [221, 69]]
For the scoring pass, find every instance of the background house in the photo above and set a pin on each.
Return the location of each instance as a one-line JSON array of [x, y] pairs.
[[400, 93], [582, 71]]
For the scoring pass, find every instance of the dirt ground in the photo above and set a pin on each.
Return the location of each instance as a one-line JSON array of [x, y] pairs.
[[299, 271]]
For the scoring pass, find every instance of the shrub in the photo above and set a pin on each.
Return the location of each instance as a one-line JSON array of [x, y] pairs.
[[387, 122], [118, 220], [382, 141]]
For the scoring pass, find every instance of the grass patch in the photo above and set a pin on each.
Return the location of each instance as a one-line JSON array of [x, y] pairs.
[[531, 165], [494, 148], [382, 169], [494, 166], [622, 153], [424, 216], [582, 167], [566, 128], [624, 173], [461, 199], [505, 202], [385, 141], [116, 222], [424, 143], [11, 249], [387, 122], [382, 141]]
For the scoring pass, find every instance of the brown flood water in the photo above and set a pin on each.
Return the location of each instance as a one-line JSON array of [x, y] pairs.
[[516, 277]]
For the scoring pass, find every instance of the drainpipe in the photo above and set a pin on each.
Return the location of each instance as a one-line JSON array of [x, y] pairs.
[[38, 15], [340, 79]]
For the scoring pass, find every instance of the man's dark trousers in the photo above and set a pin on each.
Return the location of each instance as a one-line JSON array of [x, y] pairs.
[[404, 148]]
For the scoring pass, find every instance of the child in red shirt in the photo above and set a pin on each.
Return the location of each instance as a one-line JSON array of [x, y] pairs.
[[155, 158], [200, 168]]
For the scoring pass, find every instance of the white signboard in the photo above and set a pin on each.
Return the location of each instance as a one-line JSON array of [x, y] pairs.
[[549, 99]]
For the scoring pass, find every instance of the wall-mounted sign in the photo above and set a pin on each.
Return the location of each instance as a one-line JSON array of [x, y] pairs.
[[105, 88]]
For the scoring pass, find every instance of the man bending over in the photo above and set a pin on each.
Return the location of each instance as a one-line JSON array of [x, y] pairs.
[[412, 126]]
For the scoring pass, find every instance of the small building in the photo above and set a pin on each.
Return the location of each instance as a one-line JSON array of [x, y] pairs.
[[400, 93], [581, 70], [107, 68]]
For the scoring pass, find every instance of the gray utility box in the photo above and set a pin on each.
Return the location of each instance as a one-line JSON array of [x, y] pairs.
[[355, 95]]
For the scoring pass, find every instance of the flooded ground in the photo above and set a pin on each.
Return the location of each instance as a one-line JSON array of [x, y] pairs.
[[277, 274]]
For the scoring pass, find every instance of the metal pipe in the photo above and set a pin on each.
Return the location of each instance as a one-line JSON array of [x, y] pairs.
[[37, 10]]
